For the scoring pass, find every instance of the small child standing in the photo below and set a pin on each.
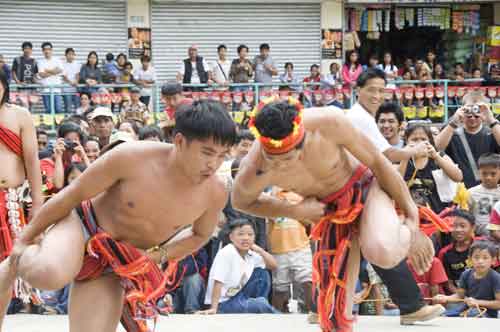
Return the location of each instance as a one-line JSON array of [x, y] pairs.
[[485, 195], [478, 287]]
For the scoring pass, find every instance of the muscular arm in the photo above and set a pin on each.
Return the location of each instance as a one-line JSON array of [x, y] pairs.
[[202, 228], [396, 155], [247, 194], [340, 130], [101, 175], [31, 161]]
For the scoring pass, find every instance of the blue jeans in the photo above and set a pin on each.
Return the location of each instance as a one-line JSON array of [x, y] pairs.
[[57, 299], [190, 296], [71, 102], [57, 103], [252, 299]]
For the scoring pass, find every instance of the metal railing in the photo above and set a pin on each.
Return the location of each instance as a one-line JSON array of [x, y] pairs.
[[447, 92]]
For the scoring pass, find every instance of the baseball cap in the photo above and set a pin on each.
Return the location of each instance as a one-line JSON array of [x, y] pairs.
[[101, 111]]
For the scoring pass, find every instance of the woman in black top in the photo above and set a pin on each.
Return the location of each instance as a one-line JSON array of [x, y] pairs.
[[418, 172], [90, 73]]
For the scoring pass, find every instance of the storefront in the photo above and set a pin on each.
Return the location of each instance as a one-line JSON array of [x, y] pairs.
[[86, 26], [291, 29], [457, 31]]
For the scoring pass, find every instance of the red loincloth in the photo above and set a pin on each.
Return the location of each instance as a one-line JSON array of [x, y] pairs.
[[333, 235], [142, 279]]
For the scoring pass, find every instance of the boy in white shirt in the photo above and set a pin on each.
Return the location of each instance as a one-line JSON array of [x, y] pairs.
[[484, 196], [238, 281]]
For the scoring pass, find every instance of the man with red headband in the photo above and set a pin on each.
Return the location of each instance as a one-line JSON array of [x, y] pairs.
[[347, 185]]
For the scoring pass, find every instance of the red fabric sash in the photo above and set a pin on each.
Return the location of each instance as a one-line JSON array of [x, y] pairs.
[[11, 140], [333, 235], [142, 279]]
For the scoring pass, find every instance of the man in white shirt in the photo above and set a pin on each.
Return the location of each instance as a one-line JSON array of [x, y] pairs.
[[221, 67], [49, 73], [71, 76], [402, 287], [238, 281], [145, 77], [390, 118]]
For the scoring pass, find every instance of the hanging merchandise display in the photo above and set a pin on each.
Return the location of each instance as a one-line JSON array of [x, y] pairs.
[[466, 19]]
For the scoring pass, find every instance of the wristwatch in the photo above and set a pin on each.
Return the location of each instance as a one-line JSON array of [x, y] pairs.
[[494, 123]]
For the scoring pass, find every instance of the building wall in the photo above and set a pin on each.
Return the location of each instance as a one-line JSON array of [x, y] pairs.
[[497, 13], [331, 18]]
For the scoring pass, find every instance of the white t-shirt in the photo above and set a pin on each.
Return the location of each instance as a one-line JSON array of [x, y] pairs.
[[146, 75], [361, 119], [219, 76], [483, 200], [70, 71], [51, 64], [232, 271], [195, 79]]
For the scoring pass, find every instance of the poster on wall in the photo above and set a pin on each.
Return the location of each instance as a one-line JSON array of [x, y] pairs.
[[139, 42], [331, 44]]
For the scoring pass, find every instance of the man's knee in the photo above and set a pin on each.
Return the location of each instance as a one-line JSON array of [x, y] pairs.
[[46, 276], [382, 254]]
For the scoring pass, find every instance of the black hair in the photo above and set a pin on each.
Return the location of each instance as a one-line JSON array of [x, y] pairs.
[[489, 159], [69, 127], [332, 64], [390, 54], [390, 107], [97, 58], [27, 44], [121, 55], [240, 222], [46, 44], [145, 58], [109, 57], [205, 120], [242, 46], [276, 120], [288, 64], [373, 56], [474, 69], [264, 46], [171, 89], [313, 66], [87, 94], [462, 214], [69, 49], [244, 134], [235, 167], [370, 74], [458, 64], [76, 118], [149, 131], [6, 90], [220, 47], [348, 58], [128, 63], [483, 245], [78, 166], [414, 126], [41, 132]]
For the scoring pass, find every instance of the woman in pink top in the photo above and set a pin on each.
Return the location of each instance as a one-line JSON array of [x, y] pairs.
[[351, 70]]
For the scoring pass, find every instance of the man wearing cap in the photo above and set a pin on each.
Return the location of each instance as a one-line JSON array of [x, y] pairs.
[[102, 123], [134, 109], [194, 69], [171, 95]]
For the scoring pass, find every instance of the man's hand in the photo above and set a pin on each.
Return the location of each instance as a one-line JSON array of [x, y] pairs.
[[421, 251], [80, 151], [59, 148], [440, 299], [458, 118], [486, 114], [431, 151], [310, 209], [210, 311], [420, 150], [471, 302]]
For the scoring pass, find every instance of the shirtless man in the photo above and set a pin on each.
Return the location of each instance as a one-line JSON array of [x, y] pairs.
[[19, 160], [318, 153], [130, 199]]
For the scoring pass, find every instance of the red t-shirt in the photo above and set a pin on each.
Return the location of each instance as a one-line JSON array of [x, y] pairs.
[[435, 276], [170, 111], [310, 79], [47, 167]]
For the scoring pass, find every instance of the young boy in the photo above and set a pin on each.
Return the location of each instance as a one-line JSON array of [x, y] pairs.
[[485, 195], [238, 281], [455, 255], [479, 287]]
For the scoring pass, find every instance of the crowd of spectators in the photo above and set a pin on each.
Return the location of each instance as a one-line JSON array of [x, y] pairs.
[[254, 265]]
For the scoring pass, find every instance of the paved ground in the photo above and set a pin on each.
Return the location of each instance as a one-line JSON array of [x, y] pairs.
[[260, 323]]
